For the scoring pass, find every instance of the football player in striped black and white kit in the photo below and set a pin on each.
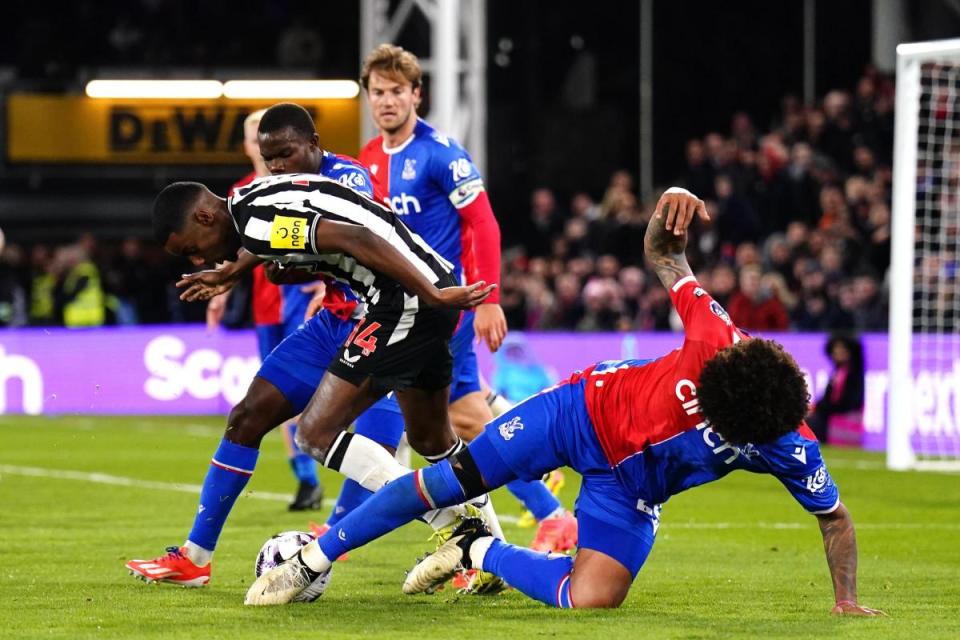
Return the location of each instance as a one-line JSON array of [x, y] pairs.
[[303, 225]]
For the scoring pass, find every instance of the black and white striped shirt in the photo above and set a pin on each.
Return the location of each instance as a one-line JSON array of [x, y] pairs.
[[277, 218]]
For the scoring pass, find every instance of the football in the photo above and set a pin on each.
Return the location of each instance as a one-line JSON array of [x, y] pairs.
[[280, 547], [283, 546]]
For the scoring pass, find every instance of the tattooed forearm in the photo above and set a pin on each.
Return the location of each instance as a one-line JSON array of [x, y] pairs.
[[840, 545], [665, 250]]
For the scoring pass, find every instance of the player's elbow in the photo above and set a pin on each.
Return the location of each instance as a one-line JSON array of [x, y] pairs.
[[839, 514]]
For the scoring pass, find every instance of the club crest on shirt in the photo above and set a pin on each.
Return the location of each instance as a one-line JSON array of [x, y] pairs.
[[507, 428], [816, 482], [409, 169]]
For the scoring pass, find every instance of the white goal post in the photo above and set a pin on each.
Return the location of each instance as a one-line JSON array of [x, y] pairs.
[[924, 352]]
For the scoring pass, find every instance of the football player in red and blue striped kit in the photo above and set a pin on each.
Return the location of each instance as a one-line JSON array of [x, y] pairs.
[[638, 431]]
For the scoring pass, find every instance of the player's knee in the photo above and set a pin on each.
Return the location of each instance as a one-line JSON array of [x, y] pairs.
[[596, 595], [244, 427], [313, 442], [467, 430], [431, 444], [599, 600]]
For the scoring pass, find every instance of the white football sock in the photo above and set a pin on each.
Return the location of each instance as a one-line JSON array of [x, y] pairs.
[[371, 466], [313, 556], [499, 405], [478, 549], [364, 461], [556, 513], [197, 554], [491, 519]]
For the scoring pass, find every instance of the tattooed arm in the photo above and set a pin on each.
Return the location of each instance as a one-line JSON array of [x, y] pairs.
[[666, 237], [840, 545]]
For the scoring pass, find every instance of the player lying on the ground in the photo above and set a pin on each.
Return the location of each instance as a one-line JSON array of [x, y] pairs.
[[310, 221], [638, 432]]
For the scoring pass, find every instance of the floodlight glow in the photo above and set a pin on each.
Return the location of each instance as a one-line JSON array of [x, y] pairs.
[[290, 89], [171, 89]]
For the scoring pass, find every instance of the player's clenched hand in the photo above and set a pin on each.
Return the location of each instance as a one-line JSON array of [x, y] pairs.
[[204, 285], [318, 289], [464, 297], [848, 608], [490, 325], [679, 206]]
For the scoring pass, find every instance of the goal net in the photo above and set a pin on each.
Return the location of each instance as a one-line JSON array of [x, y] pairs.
[[924, 354]]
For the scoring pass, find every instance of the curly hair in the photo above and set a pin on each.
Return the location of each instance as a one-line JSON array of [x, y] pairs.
[[753, 391]]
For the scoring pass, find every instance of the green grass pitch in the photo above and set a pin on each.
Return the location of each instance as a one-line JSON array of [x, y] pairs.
[[737, 558]]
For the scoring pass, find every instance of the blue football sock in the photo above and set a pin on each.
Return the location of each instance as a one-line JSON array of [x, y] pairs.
[[351, 496], [544, 577], [396, 504], [230, 470], [535, 496], [304, 467]]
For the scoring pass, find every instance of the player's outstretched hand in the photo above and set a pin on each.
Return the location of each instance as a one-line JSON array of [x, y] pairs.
[[679, 206], [464, 297], [490, 325], [204, 285], [848, 608]]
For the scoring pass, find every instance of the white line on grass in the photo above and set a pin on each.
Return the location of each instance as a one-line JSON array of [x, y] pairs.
[[104, 478]]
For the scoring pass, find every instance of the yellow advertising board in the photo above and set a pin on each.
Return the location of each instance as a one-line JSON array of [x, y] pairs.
[[45, 128]]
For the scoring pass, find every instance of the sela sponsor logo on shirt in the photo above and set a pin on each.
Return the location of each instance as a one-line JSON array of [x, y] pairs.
[[404, 205], [507, 428], [409, 169], [816, 482], [354, 180]]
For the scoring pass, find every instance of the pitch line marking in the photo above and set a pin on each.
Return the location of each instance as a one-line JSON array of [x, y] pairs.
[[136, 483]]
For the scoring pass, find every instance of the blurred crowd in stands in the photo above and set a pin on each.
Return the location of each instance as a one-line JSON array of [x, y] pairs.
[[799, 239]]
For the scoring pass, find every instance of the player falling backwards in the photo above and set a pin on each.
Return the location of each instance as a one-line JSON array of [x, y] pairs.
[[434, 187], [400, 345], [638, 431]]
